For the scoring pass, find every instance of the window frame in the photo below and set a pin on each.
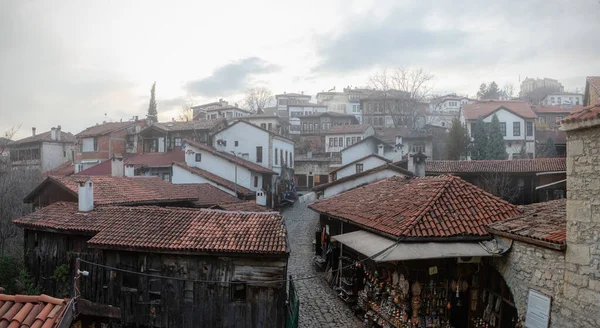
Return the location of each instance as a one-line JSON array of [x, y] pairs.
[[259, 154], [276, 161], [198, 157], [359, 167], [503, 128], [516, 129], [529, 129]]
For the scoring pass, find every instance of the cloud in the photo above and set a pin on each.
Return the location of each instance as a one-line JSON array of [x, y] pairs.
[[231, 78]]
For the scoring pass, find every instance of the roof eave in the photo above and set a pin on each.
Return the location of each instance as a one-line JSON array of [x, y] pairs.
[[528, 240]]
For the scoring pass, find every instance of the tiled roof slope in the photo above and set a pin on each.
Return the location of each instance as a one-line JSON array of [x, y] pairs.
[[559, 109], [122, 190], [65, 137], [189, 125], [101, 169], [208, 195], [247, 206], [62, 170], [587, 113], [166, 229], [594, 82], [352, 128], [505, 166], [31, 311], [104, 128], [419, 208], [156, 159], [545, 221], [484, 108], [216, 179], [386, 166], [232, 158]]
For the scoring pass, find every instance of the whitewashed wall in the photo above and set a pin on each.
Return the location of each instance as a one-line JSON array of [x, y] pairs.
[[341, 187], [53, 154], [181, 176], [248, 137], [368, 163]]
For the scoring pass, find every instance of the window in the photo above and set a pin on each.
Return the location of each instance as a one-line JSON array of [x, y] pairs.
[[291, 160], [238, 290], [263, 125], [286, 156], [282, 102], [530, 155], [503, 128], [358, 139], [542, 119], [348, 141], [255, 181], [516, 129], [167, 177], [353, 140], [281, 156], [276, 156], [331, 142], [177, 142], [359, 168], [552, 99], [270, 126], [558, 100], [341, 141], [515, 155], [304, 126], [89, 145], [335, 142], [235, 143], [529, 129], [558, 119], [418, 148], [259, 154], [199, 157]]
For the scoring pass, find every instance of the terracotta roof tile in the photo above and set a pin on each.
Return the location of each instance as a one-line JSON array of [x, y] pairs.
[[208, 195], [64, 169], [508, 166], [545, 221], [387, 166], [65, 137], [31, 311], [416, 208], [585, 114], [352, 128], [167, 229], [232, 158], [594, 82], [122, 190], [485, 108], [247, 206], [156, 159], [101, 129], [101, 169], [242, 191], [557, 109], [188, 125]]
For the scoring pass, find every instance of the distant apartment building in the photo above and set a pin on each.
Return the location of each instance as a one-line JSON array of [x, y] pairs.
[[44, 151], [442, 110], [285, 99], [220, 109], [296, 111], [270, 122], [321, 123], [391, 109], [530, 84], [341, 136], [563, 98], [517, 122], [100, 142]]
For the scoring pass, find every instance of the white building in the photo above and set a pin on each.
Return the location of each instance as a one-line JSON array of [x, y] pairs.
[[342, 136], [517, 121], [442, 110], [285, 99], [563, 98], [530, 84], [228, 112], [43, 151], [295, 111], [228, 172], [272, 123]]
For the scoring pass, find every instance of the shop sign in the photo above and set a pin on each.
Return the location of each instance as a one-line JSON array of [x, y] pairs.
[[433, 270], [538, 310]]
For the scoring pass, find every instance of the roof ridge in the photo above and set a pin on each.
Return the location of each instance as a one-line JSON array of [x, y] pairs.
[[429, 205]]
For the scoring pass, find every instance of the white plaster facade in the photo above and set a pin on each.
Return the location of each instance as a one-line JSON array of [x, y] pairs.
[[285, 99], [370, 146], [442, 111], [228, 113], [297, 110], [361, 165], [335, 143], [353, 183], [566, 98]]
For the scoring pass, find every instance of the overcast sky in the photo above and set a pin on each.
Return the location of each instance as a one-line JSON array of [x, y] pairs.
[[70, 62]]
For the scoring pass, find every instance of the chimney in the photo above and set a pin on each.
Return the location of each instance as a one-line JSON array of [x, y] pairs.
[[86, 195], [53, 133], [58, 128], [116, 166], [129, 170], [261, 198], [33, 131], [381, 150], [418, 164]]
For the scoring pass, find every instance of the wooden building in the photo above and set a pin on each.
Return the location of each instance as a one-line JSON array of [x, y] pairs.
[[163, 266], [164, 137]]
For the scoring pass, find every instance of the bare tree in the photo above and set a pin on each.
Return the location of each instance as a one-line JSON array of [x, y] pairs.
[[502, 185], [509, 90], [187, 112], [8, 138], [258, 98], [403, 91]]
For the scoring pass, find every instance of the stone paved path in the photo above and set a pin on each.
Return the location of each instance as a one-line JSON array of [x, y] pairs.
[[319, 305]]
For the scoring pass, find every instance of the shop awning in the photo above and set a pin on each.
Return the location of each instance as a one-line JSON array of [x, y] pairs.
[[372, 245]]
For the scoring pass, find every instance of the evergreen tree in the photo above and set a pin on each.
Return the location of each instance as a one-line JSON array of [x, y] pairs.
[[482, 91], [458, 141], [548, 150], [152, 112], [523, 152], [493, 91], [480, 141], [495, 146]]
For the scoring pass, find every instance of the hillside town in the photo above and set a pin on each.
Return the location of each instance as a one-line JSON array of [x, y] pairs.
[[366, 207]]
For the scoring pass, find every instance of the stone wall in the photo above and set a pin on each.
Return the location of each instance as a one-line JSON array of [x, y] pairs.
[[581, 290], [528, 267]]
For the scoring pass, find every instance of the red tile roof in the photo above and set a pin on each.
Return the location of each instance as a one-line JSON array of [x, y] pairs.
[[585, 114], [292, 94], [101, 169], [166, 229], [31, 311], [101, 129], [65, 137], [208, 195], [121, 190], [186, 126], [307, 104], [232, 158], [540, 221], [507, 166], [385, 160], [594, 82], [247, 206], [343, 129], [558, 109], [419, 208], [62, 170], [387, 166], [389, 135], [485, 108], [156, 159], [242, 191]]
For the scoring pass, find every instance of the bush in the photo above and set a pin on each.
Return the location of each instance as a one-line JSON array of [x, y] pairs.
[[15, 278]]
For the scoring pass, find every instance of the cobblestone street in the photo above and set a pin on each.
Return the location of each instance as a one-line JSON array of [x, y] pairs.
[[319, 305]]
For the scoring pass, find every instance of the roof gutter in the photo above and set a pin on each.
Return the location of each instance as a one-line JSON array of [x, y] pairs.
[[551, 172], [537, 242]]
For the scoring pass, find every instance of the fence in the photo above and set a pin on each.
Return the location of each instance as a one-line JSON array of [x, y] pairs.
[[293, 310]]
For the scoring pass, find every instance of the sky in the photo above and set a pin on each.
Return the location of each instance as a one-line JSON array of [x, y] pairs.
[[76, 63]]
